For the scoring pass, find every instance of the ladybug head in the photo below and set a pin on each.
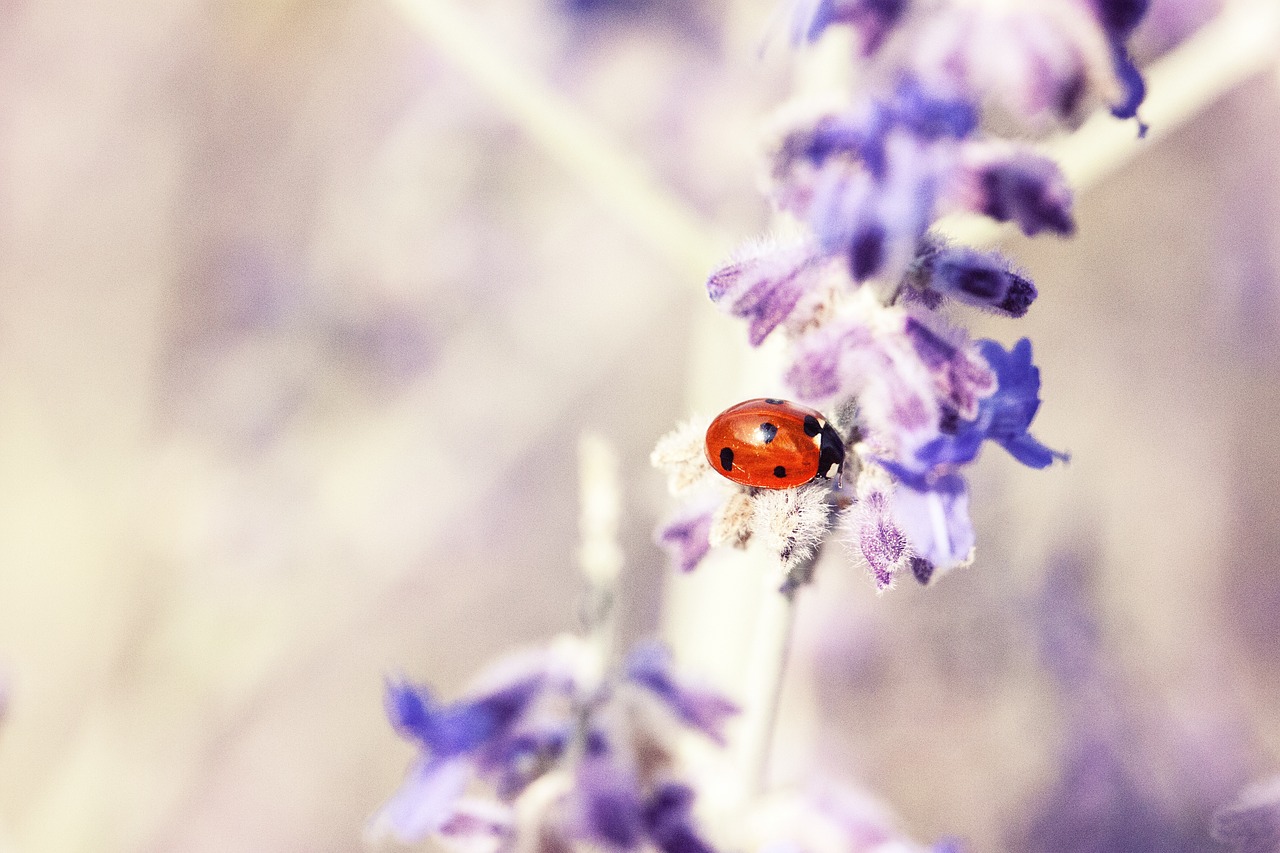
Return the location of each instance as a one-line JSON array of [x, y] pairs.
[[832, 451]]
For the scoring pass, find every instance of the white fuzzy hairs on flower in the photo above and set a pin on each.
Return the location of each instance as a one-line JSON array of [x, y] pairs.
[[733, 521], [791, 522], [681, 455]]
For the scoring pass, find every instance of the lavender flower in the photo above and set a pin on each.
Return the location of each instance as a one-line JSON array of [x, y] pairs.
[[1011, 183], [866, 180], [765, 283], [873, 532], [650, 666], [1041, 63], [830, 818], [540, 717], [687, 538], [1004, 417], [982, 279], [872, 20], [521, 711]]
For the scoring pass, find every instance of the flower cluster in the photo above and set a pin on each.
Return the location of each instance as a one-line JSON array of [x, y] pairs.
[[865, 296], [571, 758]]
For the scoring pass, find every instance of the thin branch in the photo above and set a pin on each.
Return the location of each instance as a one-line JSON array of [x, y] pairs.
[[618, 179]]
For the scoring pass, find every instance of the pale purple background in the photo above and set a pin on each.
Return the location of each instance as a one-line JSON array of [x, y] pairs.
[[297, 334]]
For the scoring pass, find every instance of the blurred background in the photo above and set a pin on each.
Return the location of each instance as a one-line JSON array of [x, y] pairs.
[[304, 305]]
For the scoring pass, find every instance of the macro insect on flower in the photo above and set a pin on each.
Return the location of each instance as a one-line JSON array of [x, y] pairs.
[[772, 444]]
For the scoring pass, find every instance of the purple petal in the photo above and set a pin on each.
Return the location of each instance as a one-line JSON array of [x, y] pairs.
[[982, 279], [873, 20], [513, 762], [929, 117], [650, 666], [1003, 417], [462, 727], [1030, 190], [880, 541], [826, 363], [686, 539], [936, 523], [960, 376], [610, 803], [764, 287], [669, 821], [424, 802]]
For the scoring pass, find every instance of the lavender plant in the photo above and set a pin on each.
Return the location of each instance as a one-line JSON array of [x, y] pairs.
[[869, 297]]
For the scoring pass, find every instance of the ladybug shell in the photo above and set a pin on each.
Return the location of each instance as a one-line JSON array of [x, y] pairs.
[[772, 444]]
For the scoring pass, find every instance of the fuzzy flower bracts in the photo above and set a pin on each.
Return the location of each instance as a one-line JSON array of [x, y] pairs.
[[868, 297]]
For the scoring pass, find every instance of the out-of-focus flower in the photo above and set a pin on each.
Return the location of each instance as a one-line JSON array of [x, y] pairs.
[[651, 666], [1043, 63], [866, 180], [687, 537], [1010, 182], [1251, 824], [544, 713], [1118, 19], [872, 20], [829, 818], [982, 279]]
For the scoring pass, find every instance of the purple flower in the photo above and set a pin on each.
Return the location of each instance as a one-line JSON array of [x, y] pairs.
[[960, 377], [446, 731], [668, 820], [935, 519], [1004, 417], [650, 666], [866, 181], [765, 284], [872, 20], [615, 810], [609, 797], [1118, 19], [931, 117], [834, 361], [1252, 823], [877, 537], [498, 734], [425, 801], [1012, 183], [687, 539], [982, 279], [1033, 60]]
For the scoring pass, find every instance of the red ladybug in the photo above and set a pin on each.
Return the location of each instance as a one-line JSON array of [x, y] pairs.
[[773, 444]]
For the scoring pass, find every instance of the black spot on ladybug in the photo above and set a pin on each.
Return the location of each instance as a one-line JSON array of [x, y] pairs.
[[772, 401], [726, 458], [768, 432], [811, 426], [779, 472]]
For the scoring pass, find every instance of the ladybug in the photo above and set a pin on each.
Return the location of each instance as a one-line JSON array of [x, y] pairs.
[[773, 444]]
